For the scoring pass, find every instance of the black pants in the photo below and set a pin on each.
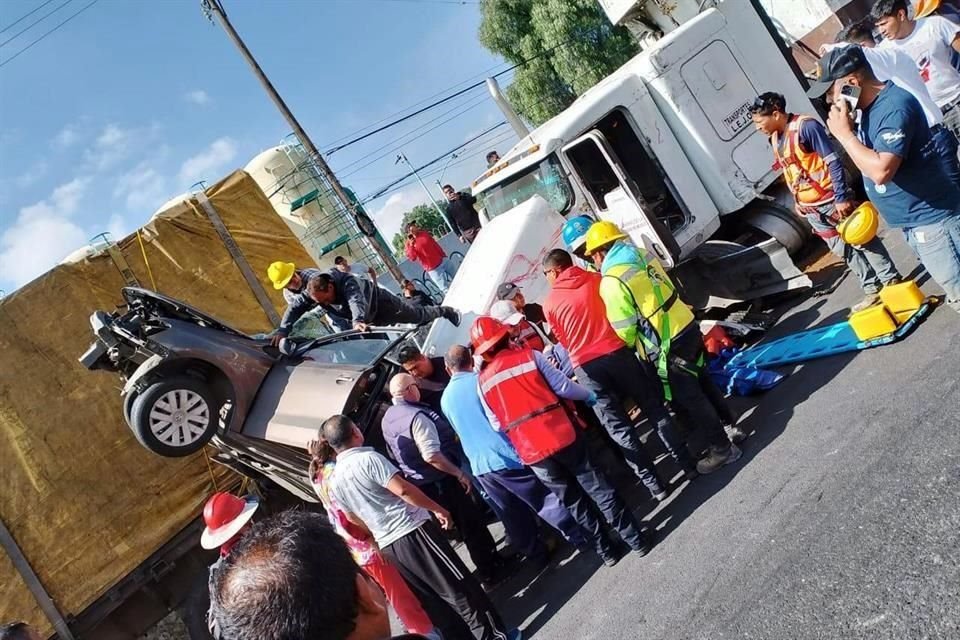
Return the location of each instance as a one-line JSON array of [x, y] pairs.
[[469, 520], [616, 376], [694, 394], [434, 572], [571, 476], [390, 309]]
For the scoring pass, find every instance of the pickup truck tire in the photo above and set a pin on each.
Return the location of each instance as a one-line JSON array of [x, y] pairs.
[[175, 416]]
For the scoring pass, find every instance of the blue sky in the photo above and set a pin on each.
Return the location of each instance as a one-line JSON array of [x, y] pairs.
[[133, 101]]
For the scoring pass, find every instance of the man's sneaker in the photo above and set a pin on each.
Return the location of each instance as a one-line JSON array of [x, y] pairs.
[[660, 497], [452, 315], [735, 433], [718, 457], [866, 303], [893, 281], [515, 634], [611, 555], [691, 474], [646, 545]]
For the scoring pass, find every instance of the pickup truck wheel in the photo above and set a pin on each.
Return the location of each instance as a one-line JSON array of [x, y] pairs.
[[175, 416]]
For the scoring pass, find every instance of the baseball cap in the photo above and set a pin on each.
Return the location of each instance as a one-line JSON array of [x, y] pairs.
[[507, 291], [836, 64]]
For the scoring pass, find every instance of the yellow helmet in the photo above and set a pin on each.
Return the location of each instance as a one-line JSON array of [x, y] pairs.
[[280, 273], [860, 227], [602, 233], [925, 7]]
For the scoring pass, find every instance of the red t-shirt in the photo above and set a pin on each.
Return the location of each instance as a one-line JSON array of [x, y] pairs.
[[578, 317], [425, 250]]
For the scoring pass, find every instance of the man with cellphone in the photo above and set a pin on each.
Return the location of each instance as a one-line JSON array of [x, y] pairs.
[[889, 142], [814, 173]]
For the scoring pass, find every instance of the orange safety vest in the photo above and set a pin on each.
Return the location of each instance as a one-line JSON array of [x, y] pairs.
[[530, 413], [806, 172]]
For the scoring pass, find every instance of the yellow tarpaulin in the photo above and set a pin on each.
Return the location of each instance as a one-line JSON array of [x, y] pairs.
[[84, 501]]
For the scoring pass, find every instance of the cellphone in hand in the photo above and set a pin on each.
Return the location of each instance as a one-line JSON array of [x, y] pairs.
[[851, 95]]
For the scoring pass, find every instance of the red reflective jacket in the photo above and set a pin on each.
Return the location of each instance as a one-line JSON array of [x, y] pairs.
[[528, 410]]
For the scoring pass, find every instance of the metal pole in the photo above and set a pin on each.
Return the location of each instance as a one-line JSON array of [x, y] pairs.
[[516, 122], [443, 214], [22, 565], [215, 7], [452, 157]]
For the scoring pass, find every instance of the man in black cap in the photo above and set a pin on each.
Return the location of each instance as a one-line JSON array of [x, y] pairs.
[[532, 311], [884, 131]]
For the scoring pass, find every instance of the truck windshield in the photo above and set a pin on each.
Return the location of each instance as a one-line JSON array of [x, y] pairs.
[[545, 179]]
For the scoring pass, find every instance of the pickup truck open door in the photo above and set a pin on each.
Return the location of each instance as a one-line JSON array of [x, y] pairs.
[[616, 197]]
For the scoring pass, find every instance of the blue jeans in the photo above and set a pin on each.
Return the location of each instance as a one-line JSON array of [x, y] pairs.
[[442, 276], [938, 246], [944, 141]]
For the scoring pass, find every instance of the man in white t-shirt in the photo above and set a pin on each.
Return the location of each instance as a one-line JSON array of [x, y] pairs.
[[895, 65], [931, 42]]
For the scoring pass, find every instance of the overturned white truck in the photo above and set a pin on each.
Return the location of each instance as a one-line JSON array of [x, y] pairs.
[[664, 147]]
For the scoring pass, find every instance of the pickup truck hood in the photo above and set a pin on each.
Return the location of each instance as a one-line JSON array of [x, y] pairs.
[[509, 248]]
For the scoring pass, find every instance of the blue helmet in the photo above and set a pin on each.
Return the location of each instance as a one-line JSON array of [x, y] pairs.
[[575, 232]]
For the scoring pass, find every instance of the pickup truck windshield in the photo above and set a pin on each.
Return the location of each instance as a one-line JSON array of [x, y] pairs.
[[545, 179]]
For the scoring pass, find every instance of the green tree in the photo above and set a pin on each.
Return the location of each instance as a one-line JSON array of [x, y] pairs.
[[426, 218], [571, 46]]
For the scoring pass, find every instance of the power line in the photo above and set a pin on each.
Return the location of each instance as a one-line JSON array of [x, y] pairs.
[[33, 24], [17, 54], [25, 16], [443, 100], [483, 74], [401, 142], [434, 161]]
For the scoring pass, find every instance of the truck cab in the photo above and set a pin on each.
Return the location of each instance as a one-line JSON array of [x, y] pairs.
[[665, 147]]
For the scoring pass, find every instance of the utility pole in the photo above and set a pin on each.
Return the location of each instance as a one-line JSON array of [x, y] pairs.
[[215, 7], [401, 157]]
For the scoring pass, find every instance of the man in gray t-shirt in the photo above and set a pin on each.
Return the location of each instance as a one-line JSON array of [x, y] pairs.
[[373, 495]]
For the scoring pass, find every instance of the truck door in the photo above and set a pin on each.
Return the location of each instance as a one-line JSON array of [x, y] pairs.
[[616, 197]]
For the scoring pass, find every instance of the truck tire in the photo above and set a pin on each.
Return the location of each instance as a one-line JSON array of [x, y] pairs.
[[781, 224], [176, 416]]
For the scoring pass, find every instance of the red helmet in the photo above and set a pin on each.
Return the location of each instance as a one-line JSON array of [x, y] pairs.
[[485, 333], [225, 515]]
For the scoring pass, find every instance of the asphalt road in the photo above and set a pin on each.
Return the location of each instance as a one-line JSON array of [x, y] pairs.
[[842, 519]]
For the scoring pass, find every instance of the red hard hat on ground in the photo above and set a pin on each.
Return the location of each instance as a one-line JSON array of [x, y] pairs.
[[225, 515], [485, 333]]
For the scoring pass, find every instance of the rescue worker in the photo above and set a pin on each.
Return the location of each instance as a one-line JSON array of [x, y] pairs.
[[608, 367], [426, 449], [527, 335], [532, 311], [358, 303], [646, 311], [813, 171], [226, 517], [521, 393], [513, 488], [292, 282]]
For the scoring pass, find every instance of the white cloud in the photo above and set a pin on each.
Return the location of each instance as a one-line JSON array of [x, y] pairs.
[[43, 234], [143, 188], [389, 216], [197, 96], [31, 175], [111, 146], [67, 137], [211, 160]]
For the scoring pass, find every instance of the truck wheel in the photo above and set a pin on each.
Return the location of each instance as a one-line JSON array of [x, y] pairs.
[[779, 223], [175, 416]]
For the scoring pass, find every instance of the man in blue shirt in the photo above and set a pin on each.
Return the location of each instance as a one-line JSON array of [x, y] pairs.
[[512, 487], [901, 171]]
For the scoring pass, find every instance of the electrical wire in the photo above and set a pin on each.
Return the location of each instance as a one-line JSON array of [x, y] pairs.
[[25, 16], [18, 53], [33, 24], [441, 101]]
